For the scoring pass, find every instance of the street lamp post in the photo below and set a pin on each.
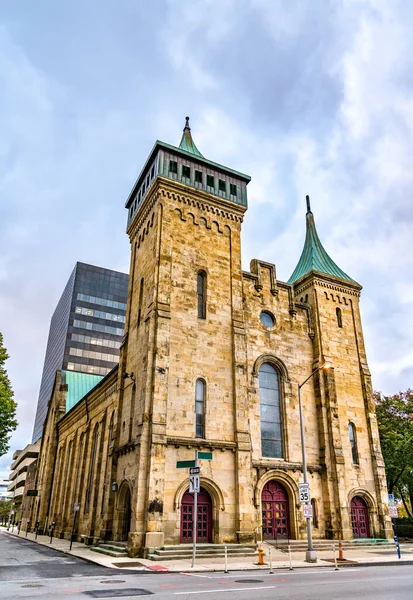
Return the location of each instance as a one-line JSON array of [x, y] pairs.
[[310, 555]]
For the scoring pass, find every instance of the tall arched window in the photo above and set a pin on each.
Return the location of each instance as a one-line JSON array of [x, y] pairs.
[[353, 443], [89, 488], [271, 427], [106, 481], [201, 290], [65, 477], [200, 408], [78, 467], [339, 317]]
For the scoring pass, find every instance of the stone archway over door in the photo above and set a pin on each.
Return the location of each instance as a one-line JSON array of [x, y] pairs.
[[126, 514], [360, 518], [204, 521], [275, 511]]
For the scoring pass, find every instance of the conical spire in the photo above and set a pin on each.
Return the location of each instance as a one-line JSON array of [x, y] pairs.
[[313, 256], [187, 143]]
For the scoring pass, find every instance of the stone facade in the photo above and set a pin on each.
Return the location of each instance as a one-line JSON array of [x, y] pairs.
[[114, 454]]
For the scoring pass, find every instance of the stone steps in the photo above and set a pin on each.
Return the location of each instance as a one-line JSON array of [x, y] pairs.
[[116, 549], [184, 551], [301, 545]]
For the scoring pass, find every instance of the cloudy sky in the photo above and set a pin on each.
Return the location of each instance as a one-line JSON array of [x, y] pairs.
[[308, 97]]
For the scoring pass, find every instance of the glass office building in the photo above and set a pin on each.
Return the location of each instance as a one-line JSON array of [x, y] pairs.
[[86, 329]]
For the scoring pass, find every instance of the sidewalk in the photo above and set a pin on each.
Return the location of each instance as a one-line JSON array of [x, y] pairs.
[[358, 557]]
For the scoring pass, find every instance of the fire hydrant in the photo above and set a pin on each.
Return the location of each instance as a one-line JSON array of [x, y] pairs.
[[261, 555], [340, 551]]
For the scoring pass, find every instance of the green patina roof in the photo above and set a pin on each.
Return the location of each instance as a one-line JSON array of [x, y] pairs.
[[78, 385], [187, 143], [313, 256]]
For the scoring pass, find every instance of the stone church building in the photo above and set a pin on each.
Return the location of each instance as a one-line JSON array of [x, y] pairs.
[[211, 361]]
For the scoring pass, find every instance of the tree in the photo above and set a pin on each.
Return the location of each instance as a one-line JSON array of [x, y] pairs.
[[395, 421], [5, 508], [8, 421]]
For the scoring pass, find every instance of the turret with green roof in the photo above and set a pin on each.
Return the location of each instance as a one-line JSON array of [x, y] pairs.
[[185, 164], [313, 257]]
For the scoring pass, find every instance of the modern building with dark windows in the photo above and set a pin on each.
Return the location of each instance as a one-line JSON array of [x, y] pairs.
[[86, 329]]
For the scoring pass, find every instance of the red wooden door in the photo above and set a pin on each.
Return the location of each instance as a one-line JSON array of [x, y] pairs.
[[275, 511], [359, 518], [204, 523]]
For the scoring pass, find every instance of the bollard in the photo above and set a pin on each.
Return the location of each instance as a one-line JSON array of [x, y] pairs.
[[19, 526], [226, 559], [27, 527], [396, 541], [289, 555], [261, 555], [340, 550], [270, 557], [37, 529], [335, 558], [51, 531]]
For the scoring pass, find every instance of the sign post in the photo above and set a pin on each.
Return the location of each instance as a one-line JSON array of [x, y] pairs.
[[196, 488]]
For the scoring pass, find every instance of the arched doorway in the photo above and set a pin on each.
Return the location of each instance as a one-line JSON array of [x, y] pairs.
[[126, 514], [204, 519], [275, 511], [359, 518]]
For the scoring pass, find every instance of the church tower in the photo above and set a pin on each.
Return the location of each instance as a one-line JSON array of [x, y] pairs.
[[185, 297], [353, 467]]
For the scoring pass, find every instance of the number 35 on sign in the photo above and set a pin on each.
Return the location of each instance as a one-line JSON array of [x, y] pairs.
[[304, 492]]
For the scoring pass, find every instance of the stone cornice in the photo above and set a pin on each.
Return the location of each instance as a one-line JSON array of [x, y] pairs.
[[270, 464], [125, 448], [200, 443], [327, 281], [204, 202], [143, 212]]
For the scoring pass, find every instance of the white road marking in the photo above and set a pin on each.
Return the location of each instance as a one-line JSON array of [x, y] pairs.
[[263, 587], [277, 573]]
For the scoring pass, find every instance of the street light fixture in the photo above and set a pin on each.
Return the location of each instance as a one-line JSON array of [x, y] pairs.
[[310, 555]]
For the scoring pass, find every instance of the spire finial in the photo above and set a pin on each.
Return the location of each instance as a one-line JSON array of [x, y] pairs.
[[187, 143], [307, 199]]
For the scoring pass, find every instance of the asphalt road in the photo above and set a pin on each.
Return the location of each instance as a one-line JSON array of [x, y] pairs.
[[31, 571]]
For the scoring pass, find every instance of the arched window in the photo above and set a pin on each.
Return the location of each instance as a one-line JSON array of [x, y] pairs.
[[200, 408], [65, 477], [271, 427], [79, 462], [315, 516], [201, 290], [106, 481], [339, 317], [353, 443], [89, 488]]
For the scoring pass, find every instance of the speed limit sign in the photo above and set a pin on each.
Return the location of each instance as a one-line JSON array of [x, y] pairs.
[[304, 492]]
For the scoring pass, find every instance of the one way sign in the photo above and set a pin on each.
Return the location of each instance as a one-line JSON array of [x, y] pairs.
[[194, 487]]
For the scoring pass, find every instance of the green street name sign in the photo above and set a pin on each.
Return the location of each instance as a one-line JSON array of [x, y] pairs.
[[204, 455], [185, 464]]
